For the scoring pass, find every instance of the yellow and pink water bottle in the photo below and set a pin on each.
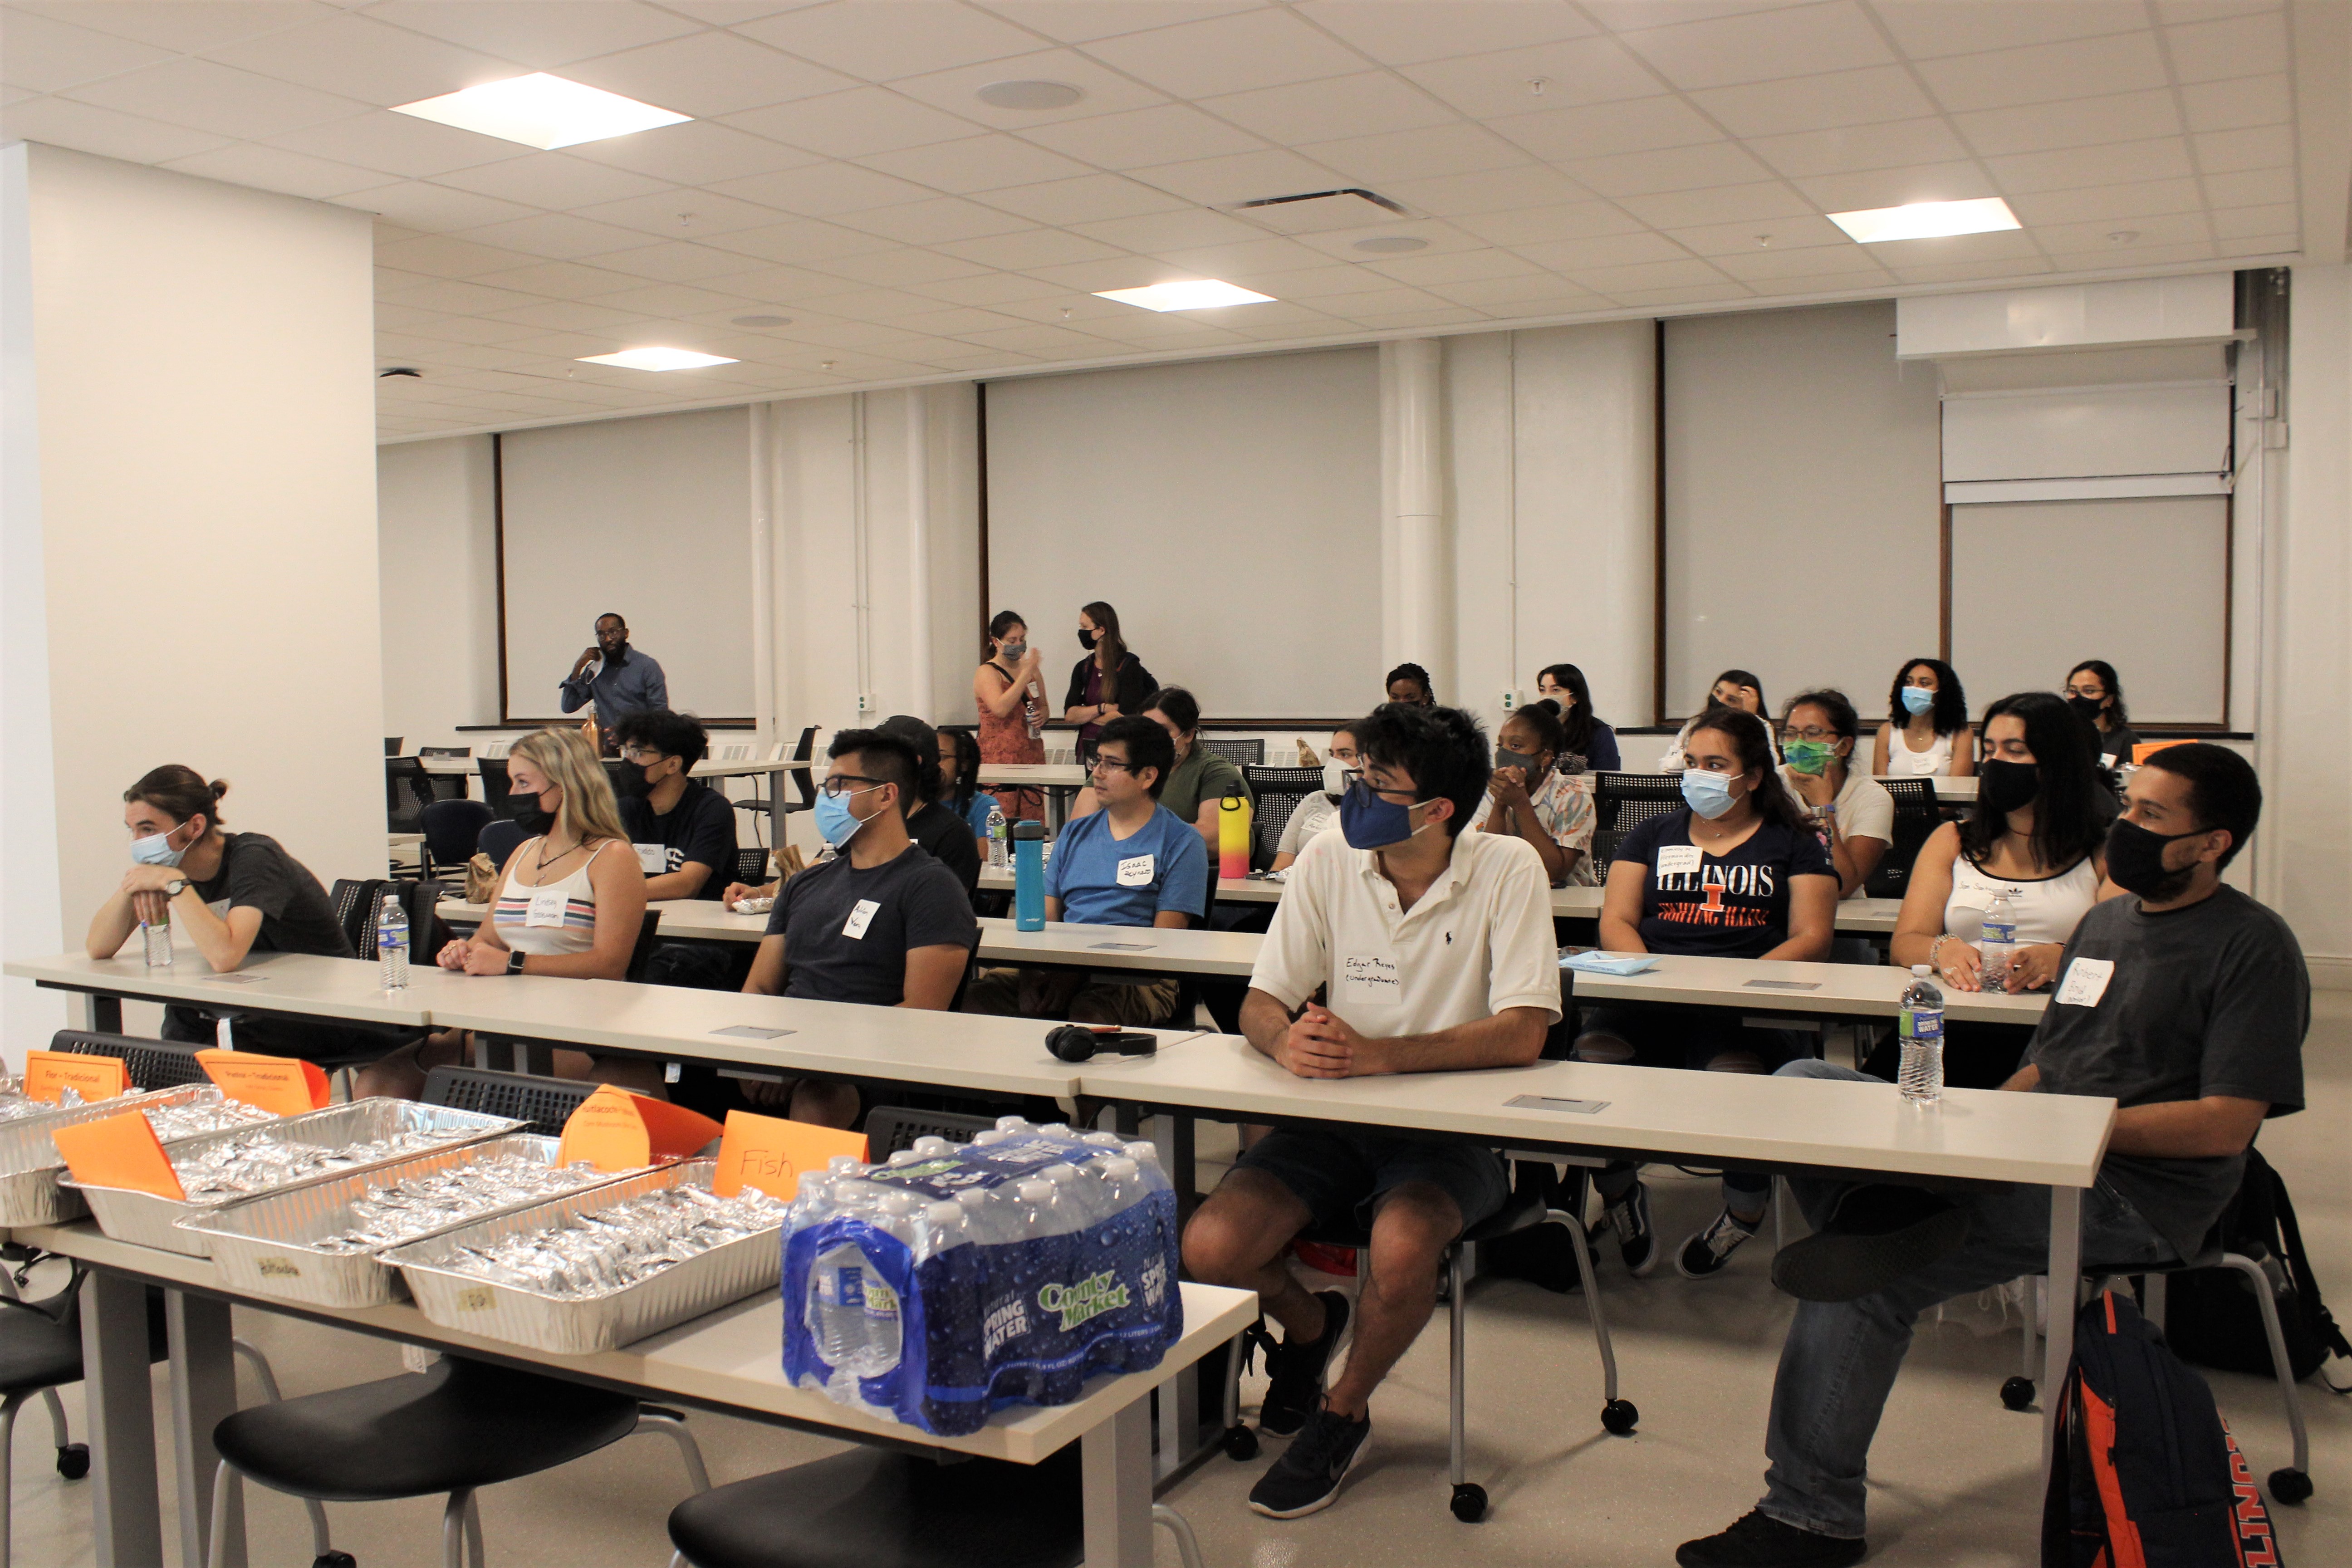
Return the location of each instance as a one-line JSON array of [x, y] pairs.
[[1233, 836]]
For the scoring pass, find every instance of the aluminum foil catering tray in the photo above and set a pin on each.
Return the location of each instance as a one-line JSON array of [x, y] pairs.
[[151, 1221], [582, 1325], [29, 1165], [264, 1244]]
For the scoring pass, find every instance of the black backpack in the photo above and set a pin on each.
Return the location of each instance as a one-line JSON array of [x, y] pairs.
[[2144, 1472], [2211, 1316]]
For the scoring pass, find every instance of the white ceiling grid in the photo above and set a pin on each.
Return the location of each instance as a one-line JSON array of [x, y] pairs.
[[1556, 158]]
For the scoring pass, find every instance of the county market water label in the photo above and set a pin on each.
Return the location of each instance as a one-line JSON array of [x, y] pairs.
[[1005, 1271]]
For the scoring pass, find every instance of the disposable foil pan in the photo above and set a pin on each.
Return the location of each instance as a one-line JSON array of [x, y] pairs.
[[582, 1325], [151, 1221], [264, 1244], [29, 1165]]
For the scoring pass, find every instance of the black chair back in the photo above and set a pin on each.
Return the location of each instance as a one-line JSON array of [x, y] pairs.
[[891, 1128], [499, 838], [357, 902], [452, 828], [645, 948], [545, 1102], [407, 791], [751, 868], [150, 1064], [392, 745], [1276, 792], [1242, 753], [1916, 815]]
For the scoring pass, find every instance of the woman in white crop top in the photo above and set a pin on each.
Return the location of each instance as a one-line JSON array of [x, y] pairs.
[[1928, 734], [2038, 833]]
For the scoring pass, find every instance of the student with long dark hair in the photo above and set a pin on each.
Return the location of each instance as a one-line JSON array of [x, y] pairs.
[[1581, 733], [1009, 690], [1927, 733], [1734, 689], [1109, 682], [2096, 696], [1739, 872]]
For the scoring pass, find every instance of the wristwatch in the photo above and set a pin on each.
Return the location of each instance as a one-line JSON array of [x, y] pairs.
[[514, 963], [175, 886]]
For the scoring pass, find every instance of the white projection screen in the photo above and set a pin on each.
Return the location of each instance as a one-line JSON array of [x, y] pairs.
[[2039, 586], [1229, 509], [649, 517]]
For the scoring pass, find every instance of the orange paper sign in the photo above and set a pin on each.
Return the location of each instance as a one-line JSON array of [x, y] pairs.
[[118, 1151], [48, 1074], [616, 1130], [283, 1085], [769, 1153]]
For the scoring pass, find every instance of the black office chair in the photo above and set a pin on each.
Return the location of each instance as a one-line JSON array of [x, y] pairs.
[[408, 790], [1916, 815], [499, 837], [799, 778], [1622, 801], [1242, 753], [452, 828], [392, 745], [149, 1064], [544, 1102], [1275, 793], [751, 870]]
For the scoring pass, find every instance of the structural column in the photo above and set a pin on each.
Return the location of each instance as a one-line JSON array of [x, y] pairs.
[[1422, 597]]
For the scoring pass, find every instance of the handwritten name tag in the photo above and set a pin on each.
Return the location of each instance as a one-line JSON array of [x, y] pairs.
[[1369, 978], [2087, 981]]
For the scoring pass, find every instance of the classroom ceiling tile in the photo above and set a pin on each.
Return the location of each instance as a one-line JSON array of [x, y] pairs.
[[1089, 198], [806, 239], [204, 96], [1869, 189], [1543, 295], [1603, 250], [2239, 223], [541, 33], [2073, 122], [1538, 226], [1594, 130], [1819, 102], [2128, 244], [559, 280], [177, 27], [365, 59], [700, 153], [398, 144], [1456, 266], [852, 124], [1102, 90], [2254, 187], [2163, 158], [1923, 29], [1860, 147], [1761, 266], [556, 181], [707, 74], [2236, 46], [443, 256], [1515, 82], [560, 236], [433, 208], [681, 214], [1409, 34], [2241, 101], [275, 169], [1515, 188], [1241, 177], [1370, 104], [1002, 289], [1669, 169], [977, 164], [938, 219], [1264, 47], [824, 190], [1773, 234], [2135, 199], [1721, 204], [1758, 47], [897, 269], [880, 43], [2045, 73], [48, 55], [1154, 234], [1143, 137], [2257, 147]]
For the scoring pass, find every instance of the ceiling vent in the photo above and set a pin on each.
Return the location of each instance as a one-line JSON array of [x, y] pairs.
[[1374, 197]]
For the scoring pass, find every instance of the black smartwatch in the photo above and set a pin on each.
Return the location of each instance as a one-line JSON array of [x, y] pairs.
[[514, 963]]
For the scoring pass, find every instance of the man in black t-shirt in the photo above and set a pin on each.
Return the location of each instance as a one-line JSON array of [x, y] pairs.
[[881, 923], [684, 831], [2185, 1001]]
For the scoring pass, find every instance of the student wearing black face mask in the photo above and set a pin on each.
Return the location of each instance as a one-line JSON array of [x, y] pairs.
[[1109, 682], [684, 831], [2096, 696]]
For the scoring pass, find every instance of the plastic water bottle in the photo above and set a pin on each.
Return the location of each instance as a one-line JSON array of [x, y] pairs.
[[1919, 1024], [853, 1315], [157, 939], [1000, 839], [1997, 943], [392, 943]]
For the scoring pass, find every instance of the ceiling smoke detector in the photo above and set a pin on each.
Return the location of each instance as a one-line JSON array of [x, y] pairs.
[[1390, 245], [1032, 95]]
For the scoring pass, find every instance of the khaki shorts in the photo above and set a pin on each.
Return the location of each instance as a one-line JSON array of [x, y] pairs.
[[1071, 993]]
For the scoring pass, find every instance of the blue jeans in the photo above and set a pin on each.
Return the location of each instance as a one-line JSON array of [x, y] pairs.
[[1838, 1361]]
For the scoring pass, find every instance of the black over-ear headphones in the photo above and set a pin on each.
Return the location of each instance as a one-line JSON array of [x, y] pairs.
[[1079, 1042]]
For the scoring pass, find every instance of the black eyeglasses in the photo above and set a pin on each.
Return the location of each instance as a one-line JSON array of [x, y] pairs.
[[1116, 764], [838, 785]]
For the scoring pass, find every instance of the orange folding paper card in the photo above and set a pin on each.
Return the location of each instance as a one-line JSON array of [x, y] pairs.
[[283, 1085], [48, 1074], [118, 1151], [769, 1153], [616, 1130]]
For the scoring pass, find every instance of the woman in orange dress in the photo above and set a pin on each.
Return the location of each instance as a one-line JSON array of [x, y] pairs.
[[1011, 700]]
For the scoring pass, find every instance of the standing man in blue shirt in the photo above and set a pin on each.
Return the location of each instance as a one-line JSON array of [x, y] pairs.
[[615, 676], [1132, 863]]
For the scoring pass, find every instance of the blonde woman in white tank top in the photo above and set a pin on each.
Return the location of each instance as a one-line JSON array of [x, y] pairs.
[[565, 908]]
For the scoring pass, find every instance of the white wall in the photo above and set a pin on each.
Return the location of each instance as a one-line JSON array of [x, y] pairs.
[[201, 508], [439, 571]]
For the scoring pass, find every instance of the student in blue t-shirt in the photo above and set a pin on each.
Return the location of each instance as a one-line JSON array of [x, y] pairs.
[[1132, 863]]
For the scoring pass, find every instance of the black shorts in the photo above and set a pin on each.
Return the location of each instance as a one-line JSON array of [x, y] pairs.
[[1339, 1174], [1688, 1037]]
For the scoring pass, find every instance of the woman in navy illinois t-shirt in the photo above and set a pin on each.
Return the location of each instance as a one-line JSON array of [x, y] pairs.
[[1739, 873]]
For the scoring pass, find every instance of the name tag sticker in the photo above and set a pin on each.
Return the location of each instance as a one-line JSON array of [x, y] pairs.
[[1366, 977], [860, 918], [547, 907], [652, 860], [1135, 871], [2087, 981], [1679, 859]]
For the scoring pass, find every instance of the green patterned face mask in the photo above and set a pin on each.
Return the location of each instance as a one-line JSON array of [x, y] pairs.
[[1809, 757]]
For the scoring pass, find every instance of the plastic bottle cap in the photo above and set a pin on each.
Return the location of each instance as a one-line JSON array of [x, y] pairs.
[[1035, 1192], [1059, 1174], [975, 1197]]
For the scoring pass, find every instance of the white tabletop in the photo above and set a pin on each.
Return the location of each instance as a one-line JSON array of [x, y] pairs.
[[1230, 890], [1852, 990], [1065, 775], [445, 765], [730, 1359], [1231, 954], [2048, 1140], [298, 982]]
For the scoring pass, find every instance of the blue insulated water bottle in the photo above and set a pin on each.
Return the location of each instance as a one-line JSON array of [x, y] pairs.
[[1029, 876]]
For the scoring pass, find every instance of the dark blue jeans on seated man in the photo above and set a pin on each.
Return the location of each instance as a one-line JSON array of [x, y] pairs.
[[1838, 1361]]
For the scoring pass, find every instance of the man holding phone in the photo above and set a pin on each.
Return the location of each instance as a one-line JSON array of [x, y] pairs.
[[613, 676]]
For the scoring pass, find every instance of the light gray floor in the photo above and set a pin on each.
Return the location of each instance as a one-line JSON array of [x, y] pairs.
[[1956, 1482]]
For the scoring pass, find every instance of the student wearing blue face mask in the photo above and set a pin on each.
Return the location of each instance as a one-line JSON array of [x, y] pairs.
[[881, 924], [1928, 734], [1740, 872]]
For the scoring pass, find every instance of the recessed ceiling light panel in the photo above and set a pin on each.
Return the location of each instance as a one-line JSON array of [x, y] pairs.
[[542, 112], [1391, 244], [1037, 95], [1927, 220], [1198, 294], [658, 359]]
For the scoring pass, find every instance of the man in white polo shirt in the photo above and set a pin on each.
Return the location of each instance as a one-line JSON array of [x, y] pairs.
[[1432, 949]]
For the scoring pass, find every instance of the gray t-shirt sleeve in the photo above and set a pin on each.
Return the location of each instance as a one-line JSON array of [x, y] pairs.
[[2261, 1002], [938, 912]]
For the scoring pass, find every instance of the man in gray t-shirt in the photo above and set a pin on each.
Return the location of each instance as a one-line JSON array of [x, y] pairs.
[[2183, 1000]]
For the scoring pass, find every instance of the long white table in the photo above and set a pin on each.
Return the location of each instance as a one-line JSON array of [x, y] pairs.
[[293, 983], [1843, 990], [1033, 776], [728, 1361]]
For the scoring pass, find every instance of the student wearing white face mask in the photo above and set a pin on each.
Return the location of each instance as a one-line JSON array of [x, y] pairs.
[[1320, 811], [225, 895], [1009, 690]]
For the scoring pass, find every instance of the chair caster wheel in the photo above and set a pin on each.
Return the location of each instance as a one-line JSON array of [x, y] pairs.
[[1239, 1443], [2290, 1486], [73, 1461], [2017, 1394], [334, 1560], [1618, 1417], [1469, 1502]]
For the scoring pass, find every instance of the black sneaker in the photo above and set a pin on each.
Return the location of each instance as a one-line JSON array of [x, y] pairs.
[[1755, 1540], [1629, 1216], [1877, 1235], [1295, 1372], [1306, 1478], [1705, 1254]]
